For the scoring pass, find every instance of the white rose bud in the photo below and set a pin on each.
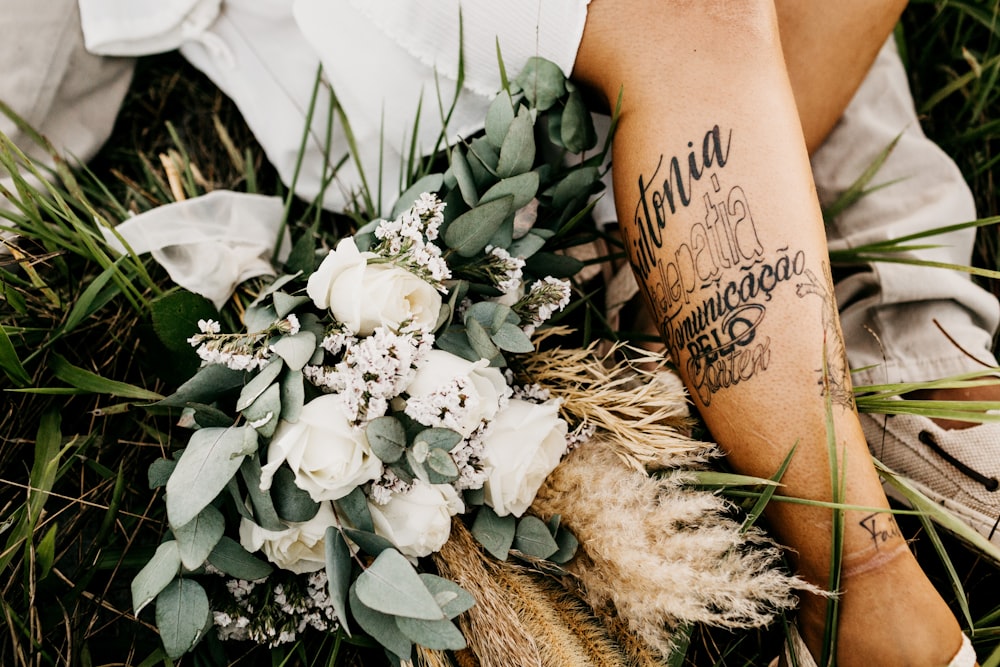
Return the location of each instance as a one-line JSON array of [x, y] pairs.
[[481, 398], [366, 296], [298, 548], [328, 456], [524, 444], [418, 522]]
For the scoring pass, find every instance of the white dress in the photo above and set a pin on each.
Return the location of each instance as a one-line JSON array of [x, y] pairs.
[[382, 58]]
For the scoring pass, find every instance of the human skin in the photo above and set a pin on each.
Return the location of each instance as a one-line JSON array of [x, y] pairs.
[[719, 216]]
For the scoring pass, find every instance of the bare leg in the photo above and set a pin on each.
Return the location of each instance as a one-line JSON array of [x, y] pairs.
[[722, 225]]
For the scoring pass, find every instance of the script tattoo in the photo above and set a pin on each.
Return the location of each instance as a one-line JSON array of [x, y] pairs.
[[710, 295], [881, 528], [836, 377]]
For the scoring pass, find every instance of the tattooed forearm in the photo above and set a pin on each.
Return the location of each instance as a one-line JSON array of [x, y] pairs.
[[709, 292]]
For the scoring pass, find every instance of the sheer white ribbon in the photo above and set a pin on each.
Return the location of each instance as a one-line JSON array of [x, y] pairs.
[[209, 244]]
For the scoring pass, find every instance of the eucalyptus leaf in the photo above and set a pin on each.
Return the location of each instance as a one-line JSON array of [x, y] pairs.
[[391, 585], [499, 117], [381, 627], [439, 438], [456, 341], [230, 557], [522, 187], [483, 158], [296, 349], [182, 611], [338, 573], [387, 438], [259, 318], [369, 542], [264, 413], [198, 537], [175, 317], [209, 416], [155, 575], [286, 303], [470, 232], [490, 314], [510, 338], [577, 127], [568, 545], [265, 513], [452, 598], [302, 258], [504, 235], [533, 538], [354, 507], [416, 464], [495, 533], [212, 457], [542, 81], [527, 245], [474, 497], [159, 472], [440, 635], [290, 502], [575, 185], [206, 385], [481, 342], [293, 395], [260, 382], [273, 287], [517, 155], [441, 467], [463, 175], [551, 264]]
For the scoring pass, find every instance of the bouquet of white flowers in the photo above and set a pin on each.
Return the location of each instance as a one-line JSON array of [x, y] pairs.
[[372, 393]]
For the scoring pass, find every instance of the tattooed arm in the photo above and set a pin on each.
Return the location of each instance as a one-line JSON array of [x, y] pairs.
[[719, 215]]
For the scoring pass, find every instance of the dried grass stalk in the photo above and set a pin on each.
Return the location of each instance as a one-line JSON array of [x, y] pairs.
[[430, 658], [644, 412], [493, 628], [541, 623], [658, 553]]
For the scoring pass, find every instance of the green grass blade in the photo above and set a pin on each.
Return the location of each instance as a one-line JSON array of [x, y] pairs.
[[81, 378]]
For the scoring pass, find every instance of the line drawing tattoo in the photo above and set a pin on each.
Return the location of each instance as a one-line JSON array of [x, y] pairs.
[[837, 375]]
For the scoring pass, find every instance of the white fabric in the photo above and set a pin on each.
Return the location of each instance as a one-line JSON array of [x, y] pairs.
[[966, 656], [382, 58], [142, 27], [68, 95], [209, 244]]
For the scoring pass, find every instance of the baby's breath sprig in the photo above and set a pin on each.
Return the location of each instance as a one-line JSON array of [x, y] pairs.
[[407, 241], [545, 298], [238, 351]]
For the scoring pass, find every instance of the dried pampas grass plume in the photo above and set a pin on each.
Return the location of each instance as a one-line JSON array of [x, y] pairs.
[[521, 617], [643, 412], [658, 553]]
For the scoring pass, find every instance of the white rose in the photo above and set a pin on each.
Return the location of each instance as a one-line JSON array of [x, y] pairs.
[[298, 548], [365, 296], [328, 456], [525, 443], [484, 389], [418, 522]]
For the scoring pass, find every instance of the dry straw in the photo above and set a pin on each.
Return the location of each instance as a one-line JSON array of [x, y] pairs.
[[640, 406]]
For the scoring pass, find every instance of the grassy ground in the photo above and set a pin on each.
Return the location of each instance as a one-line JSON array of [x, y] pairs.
[[67, 557]]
